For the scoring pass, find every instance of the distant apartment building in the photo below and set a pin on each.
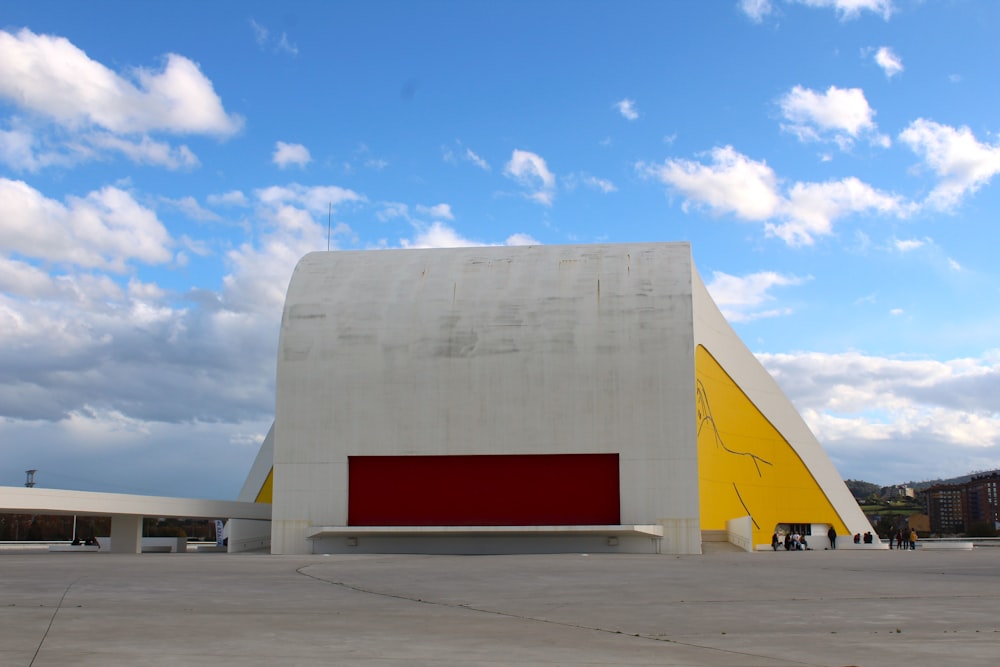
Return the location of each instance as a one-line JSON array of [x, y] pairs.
[[897, 491], [953, 508], [982, 499]]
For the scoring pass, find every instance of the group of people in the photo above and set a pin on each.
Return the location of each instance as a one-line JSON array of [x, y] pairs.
[[797, 542], [793, 542], [901, 541], [90, 542]]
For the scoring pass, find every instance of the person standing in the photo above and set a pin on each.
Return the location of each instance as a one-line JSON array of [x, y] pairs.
[[832, 535], [913, 539]]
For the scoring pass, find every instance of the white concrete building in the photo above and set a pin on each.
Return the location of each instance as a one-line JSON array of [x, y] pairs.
[[515, 399]]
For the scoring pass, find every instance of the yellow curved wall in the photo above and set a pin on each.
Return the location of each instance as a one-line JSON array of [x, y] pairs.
[[745, 466]]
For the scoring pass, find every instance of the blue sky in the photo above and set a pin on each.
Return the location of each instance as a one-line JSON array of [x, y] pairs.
[[834, 164]]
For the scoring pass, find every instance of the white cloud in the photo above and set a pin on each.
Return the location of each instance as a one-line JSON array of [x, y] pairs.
[[924, 414], [263, 38], [106, 229], [286, 45], [890, 63], [602, 184], [906, 245], [626, 108], [291, 221], [476, 160], [740, 298], [76, 109], [520, 240], [810, 209], [756, 9], [731, 184], [736, 185], [19, 151], [390, 210], [440, 235], [839, 115], [290, 154], [315, 199], [260, 33], [145, 150], [437, 235], [530, 170], [92, 359], [850, 9], [231, 198], [440, 211], [50, 76], [961, 163], [190, 207]]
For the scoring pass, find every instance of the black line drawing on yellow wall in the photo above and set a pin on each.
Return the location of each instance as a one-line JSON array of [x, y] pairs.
[[705, 418]]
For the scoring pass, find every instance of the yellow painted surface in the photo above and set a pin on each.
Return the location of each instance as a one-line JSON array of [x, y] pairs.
[[266, 491], [745, 466]]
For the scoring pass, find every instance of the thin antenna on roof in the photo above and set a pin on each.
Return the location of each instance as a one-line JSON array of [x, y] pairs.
[[329, 220]]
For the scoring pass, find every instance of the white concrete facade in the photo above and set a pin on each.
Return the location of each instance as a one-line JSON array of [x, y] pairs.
[[529, 350]]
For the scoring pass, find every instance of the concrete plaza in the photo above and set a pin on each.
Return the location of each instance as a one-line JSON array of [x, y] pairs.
[[722, 609]]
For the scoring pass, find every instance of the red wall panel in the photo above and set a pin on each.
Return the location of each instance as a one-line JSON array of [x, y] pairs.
[[483, 490]]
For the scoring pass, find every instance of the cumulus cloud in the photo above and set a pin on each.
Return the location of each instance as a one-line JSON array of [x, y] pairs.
[[734, 184], [76, 109], [909, 414], [626, 108], [437, 235], [290, 154], [440, 235], [961, 163], [810, 209], [50, 76], [105, 229], [741, 298], [890, 63], [530, 170], [839, 115], [83, 349], [314, 199]]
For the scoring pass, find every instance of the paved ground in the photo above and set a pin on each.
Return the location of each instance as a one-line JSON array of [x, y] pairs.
[[721, 609]]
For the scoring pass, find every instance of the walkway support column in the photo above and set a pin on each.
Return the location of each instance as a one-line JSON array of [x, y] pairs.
[[126, 534]]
